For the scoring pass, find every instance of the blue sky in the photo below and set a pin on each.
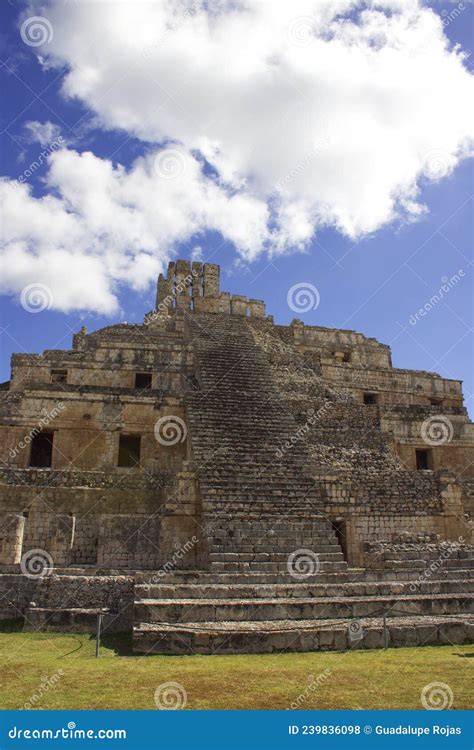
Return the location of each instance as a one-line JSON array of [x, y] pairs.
[[373, 283]]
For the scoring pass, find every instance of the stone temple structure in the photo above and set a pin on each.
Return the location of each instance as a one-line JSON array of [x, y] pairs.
[[216, 482]]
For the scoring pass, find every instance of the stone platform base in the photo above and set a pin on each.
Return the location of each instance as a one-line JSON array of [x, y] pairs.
[[73, 620], [206, 612], [304, 635]]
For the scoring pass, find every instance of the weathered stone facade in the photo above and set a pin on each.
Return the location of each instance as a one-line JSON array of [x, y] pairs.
[[213, 441]]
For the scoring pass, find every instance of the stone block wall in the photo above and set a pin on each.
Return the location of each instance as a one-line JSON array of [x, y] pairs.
[[363, 528], [393, 386], [16, 592], [94, 518], [433, 505], [87, 429], [20, 595], [129, 541], [52, 532], [86, 540], [405, 547]]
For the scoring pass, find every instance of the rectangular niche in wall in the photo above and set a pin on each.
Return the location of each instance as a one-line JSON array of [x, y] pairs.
[[59, 376], [41, 455], [370, 399], [423, 459], [129, 451], [143, 380]]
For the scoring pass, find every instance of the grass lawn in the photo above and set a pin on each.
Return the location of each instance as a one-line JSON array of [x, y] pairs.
[[358, 679]]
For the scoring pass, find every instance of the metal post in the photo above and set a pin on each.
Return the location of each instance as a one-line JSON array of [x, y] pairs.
[[97, 639], [385, 630]]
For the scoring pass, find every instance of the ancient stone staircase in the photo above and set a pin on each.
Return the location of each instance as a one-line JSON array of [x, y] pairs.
[[274, 544], [255, 509], [218, 613]]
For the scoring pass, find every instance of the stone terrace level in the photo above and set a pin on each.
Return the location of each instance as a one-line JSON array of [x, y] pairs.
[[211, 443]]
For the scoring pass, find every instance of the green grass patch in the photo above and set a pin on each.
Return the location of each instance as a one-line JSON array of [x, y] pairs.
[[117, 680]]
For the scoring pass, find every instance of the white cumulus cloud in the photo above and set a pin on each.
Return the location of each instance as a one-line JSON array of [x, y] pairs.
[[44, 133], [101, 226], [309, 113]]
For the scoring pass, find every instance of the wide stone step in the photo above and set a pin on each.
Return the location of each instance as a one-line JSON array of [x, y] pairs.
[[347, 575], [271, 567], [280, 524], [271, 556], [287, 530], [322, 550], [266, 539], [299, 590], [273, 636], [260, 536], [423, 564], [226, 610], [428, 555]]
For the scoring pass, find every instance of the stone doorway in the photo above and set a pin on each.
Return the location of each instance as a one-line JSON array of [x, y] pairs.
[[339, 526]]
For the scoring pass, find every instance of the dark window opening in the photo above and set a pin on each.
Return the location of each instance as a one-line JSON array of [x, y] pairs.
[[129, 451], [59, 376], [370, 398], [339, 526], [423, 459], [342, 356], [143, 380], [436, 401], [41, 455]]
